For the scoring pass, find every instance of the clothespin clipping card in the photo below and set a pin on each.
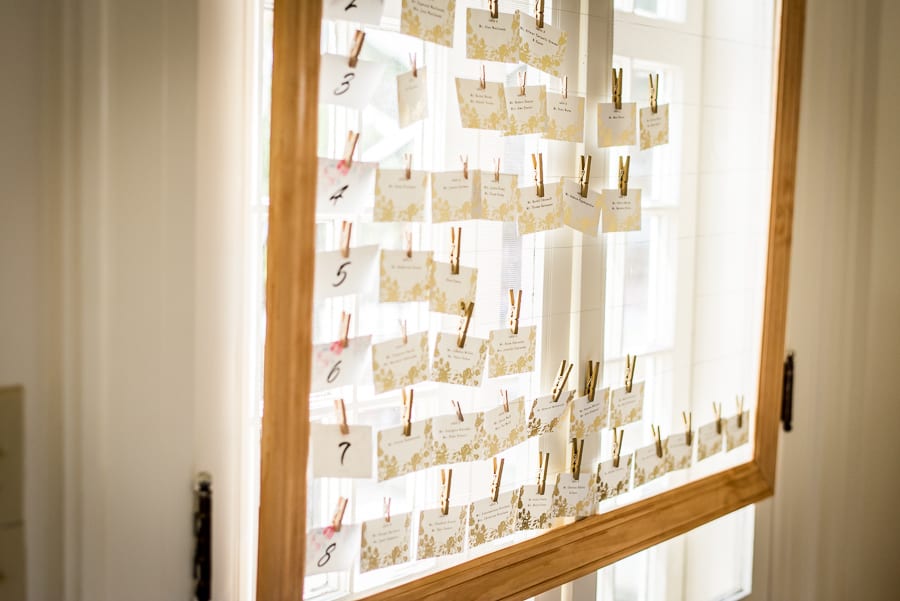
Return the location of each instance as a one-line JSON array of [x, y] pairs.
[[515, 308], [358, 39], [688, 434], [455, 247], [494, 7], [617, 89], [338, 516], [630, 363], [349, 148], [407, 165], [624, 167], [537, 160], [495, 483], [522, 78], [483, 79], [412, 64], [585, 177], [446, 479], [403, 331], [465, 166], [657, 438], [504, 398], [590, 379], [562, 377], [407, 412], [654, 91], [387, 509], [717, 409], [341, 412], [407, 243], [539, 13], [345, 330], [577, 450], [346, 230], [618, 436], [465, 319], [739, 400], [458, 408], [565, 86], [543, 468], [497, 169]]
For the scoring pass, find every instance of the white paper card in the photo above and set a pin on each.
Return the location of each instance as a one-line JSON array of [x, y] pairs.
[[534, 508], [546, 413], [621, 213], [398, 198], [581, 213], [678, 452], [384, 543], [565, 118], [456, 441], [654, 126], [616, 127], [544, 48], [430, 20], [612, 481], [452, 196], [334, 365], [403, 278], [454, 365], [337, 275], [336, 455], [709, 440], [511, 353], [734, 436], [358, 11], [626, 407], [489, 521], [504, 429], [587, 416], [499, 199], [341, 191], [447, 291], [398, 364], [526, 112], [341, 84], [481, 108], [540, 213], [647, 465], [399, 455], [440, 534], [330, 551], [573, 498], [492, 39], [412, 97]]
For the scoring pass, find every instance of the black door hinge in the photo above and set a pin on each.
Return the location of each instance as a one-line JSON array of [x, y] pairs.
[[203, 538], [787, 393]]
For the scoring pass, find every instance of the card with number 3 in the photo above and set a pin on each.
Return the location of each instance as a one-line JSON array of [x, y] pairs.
[[328, 550], [353, 87], [337, 455]]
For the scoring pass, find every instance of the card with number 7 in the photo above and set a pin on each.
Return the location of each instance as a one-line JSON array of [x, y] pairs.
[[338, 455]]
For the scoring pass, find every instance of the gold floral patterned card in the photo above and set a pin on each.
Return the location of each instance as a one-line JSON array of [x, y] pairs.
[[341, 84], [526, 110], [647, 466], [448, 291], [397, 364], [626, 407], [587, 416], [412, 97], [384, 542], [616, 127], [489, 521], [399, 454], [335, 365], [565, 118], [338, 455], [546, 413], [454, 365], [492, 39], [481, 108], [404, 277], [440, 534], [534, 508], [654, 126], [358, 11], [540, 213], [452, 196], [573, 498], [678, 452], [430, 20], [456, 441], [543, 48], [499, 198], [342, 191], [337, 275], [621, 213], [709, 441], [503, 429], [398, 198], [331, 551], [511, 353], [580, 213], [612, 481], [734, 436]]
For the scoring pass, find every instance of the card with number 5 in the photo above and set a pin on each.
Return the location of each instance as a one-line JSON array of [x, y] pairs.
[[328, 550], [337, 455], [341, 84], [337, 275]]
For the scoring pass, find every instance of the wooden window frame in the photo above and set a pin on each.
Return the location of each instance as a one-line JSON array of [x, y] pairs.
[[561, 554]]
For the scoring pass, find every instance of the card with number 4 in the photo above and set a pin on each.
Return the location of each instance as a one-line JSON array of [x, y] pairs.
[[339, 455]]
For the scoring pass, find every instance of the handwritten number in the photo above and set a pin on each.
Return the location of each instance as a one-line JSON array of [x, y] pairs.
[[341, 274], [327, 557], [346, 446], [334, 373], [351, 4], [339, 195], [345, 84]]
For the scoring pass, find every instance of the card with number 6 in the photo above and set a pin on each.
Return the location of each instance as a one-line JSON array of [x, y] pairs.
[[335, 365], [337, 455], [328, 550]]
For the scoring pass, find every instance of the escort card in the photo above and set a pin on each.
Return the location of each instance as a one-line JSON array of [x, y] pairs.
[[337, 275], [359, 11], [565, 118], [580, 213], [626, 407], [546, 413], [613, 481], [503, 429], [647, 466], [540, 213], [526, 112], [489, 521], [588, 417], [573, 498], [384, 543], [616, 127], [399, 455], [492, 39], [499, 199], [734, 436], [456, 441], [534, 508], [621, 213], [430, 20], [678, 452], [398, 198], [404, 278], [709, 441], [543, 48], [511, 353], [330, 551], [654, 126], [448, 291], [454, 365], [440, 534], [412, 97], [334, 365], [341, 191], [452, 196], [341, 84], [337, 455], [398, 364], [481, 108]]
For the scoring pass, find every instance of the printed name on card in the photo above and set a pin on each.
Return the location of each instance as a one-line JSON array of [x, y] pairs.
[[454, 365], [573, 498], [400, 198], [398, 363], [654, 126], [526, 110], [546, 413], [457, 441], [565, 118], [587, 416], [481, 108], [331, 551], [621, 213], [412, 97], [384, 542], [616, 127], [342, 191], [338, 455], [540, 213], [337, 275], [429, 20], [341, 84], [448, 291], [403, 277], [534, 508], [335, 365], [543, 48], [511, 353], [647, 465], [499, 197], [581, 213], [504, 429], [489, 521], [452, 196], [612, 481], [358, 11], [492, 39], [736, 436], [709, 440], [440, 534], [626, 407], [399, 454]]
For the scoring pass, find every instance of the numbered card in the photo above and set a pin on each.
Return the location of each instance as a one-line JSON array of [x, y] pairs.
[[678, 452], [341, 84], [330, 551], [398, 198], [654, 126], [440, 534], [454, 365], [511, 353], [412, 97], [398, 364], [492, 39], [616, 127], [452, 196], [587, 416], [709, 441], [481, 108], [448, 291], [504, 429], [334, 365], [565, 118], [499, 197], [457, 441], [337, 455], [540, 213], [534, 508], [430, 20], [573, 498], [337, 275], [384, 543], [526, 112], [404, 278], [358, 11], [489, 521], [626, 407], [612, 481], [581, 213], [341, 191], [546, 413], [399, 454], [647, 465], [734, 436], [621, 213], [543, 48]]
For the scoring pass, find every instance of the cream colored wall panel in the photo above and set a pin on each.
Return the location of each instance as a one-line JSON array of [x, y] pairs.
[[12, 563], [11, 435]]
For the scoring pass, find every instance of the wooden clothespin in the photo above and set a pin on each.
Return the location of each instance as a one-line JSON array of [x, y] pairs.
[[590, 379], [561, 378], [407, 412], [483, 80], [349, 149], [412, 62], [494, 6], [657, 438], [543, 468], [455, 247], [403, 331], [464, 320], [407, 243], [458, 408], [340, 411], [565, 86], [739, 400], [630, 363], [407, 165], [358, 39], [654, 91], [575, 460], [717, 409], [539, 13], [504, 398], [617, 89], [688, 433], [515, 308], [624, 167], [522, 77], [618, 435], [346, 230], [387, 509], [495, 483], [497, 169], [338, 516], [345, 330], [585, 178], [465, 165], [446, 479], [538, 161]]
